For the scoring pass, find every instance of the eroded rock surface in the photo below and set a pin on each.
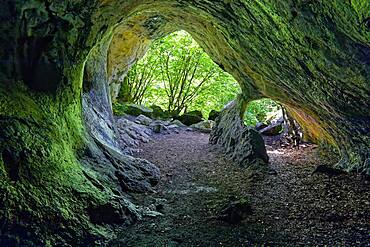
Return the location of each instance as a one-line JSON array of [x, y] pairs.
[[58, 58], [242, 144]]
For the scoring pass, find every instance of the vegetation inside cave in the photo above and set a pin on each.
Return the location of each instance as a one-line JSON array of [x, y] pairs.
[[185, 123]]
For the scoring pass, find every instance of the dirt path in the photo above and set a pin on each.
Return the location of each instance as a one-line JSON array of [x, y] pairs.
[[290, 208]]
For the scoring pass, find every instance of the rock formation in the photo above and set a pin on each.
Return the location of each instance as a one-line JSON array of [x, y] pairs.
[[61, 61], [240, 143]]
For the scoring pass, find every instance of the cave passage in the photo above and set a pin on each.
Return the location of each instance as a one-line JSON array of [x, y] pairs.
[[68, 176], [203, 199]]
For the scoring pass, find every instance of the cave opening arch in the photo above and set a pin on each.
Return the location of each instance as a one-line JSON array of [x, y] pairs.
[[253, 66], [301, 54]]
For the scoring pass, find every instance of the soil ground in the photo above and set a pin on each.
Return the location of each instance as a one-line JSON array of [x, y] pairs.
[[290, 206]]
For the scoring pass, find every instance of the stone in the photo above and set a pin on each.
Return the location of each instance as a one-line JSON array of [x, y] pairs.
[[260, 125], [178, 123], [136, 110], [235, 211], [159, 113], [131, 133], [159, 126], [144, 120], [240, 143], [213, 115], [314, 60], [195, 113], [204, 126], [274, 129], [189, 119]]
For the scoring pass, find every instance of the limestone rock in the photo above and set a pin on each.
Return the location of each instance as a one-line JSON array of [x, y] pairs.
[[312, 56], [195, 113], [144, 120], [242, 144], [178, 123], [159, 113], [275, 128], [159, 126], [260, 126], [136, 110], [131, 133], [204, 126]]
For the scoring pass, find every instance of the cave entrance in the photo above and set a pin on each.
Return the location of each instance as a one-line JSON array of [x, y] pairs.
[[178, 83], [272, 120], [175, 78]]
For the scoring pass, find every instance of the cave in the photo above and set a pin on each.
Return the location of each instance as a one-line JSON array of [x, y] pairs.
[[65, 180]]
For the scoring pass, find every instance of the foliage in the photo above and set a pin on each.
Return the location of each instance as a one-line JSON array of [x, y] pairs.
[[178, 75], [262, 110], [140, 77], [119, 109], [186, 69]]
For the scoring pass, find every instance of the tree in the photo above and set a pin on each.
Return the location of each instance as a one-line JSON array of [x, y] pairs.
[[186, 70], [178, 75], [140, 77]]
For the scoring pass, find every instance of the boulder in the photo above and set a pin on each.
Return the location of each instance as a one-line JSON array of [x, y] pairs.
[[242, 144], [273, 129], [144, 120], [213, 115], [189, 119], [131, 133], [178, 123], [159, 126], [204, 126], [158, 113], [195, 113], [136, 110]]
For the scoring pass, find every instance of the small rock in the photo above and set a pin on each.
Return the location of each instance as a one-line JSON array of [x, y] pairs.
[[144, 120], [236, 211], [178, 123], [204, 126]]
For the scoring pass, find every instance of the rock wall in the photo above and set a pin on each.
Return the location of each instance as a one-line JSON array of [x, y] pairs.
[[312, 56], [240, 143]]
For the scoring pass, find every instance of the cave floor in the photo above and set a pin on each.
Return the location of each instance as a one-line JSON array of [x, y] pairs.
[[291, 207]]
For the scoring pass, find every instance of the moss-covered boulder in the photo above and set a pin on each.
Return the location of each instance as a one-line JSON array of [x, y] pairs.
[[189, 119], [195, 113], [137, 110], [204, 126], [159, 113], [213, 115]]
